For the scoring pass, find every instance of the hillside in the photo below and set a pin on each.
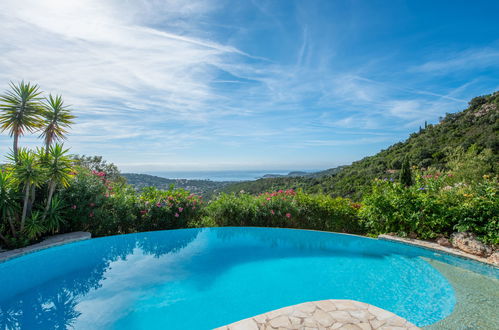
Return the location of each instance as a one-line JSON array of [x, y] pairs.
[[200, 187], [478, 124]]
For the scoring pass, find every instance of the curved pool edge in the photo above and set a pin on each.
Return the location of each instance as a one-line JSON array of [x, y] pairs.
[[436, 247], [49, 242], [65, 245], [330, 314]]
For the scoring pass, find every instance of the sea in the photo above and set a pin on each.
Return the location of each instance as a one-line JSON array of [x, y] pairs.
[[229, 175]]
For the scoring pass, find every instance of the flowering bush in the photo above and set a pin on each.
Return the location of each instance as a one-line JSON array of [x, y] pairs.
[[103, 207], [284, 209], [160, 209], [437, 204]]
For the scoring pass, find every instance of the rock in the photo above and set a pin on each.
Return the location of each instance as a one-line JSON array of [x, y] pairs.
[[444, 242], [494, 258], [467, 242]]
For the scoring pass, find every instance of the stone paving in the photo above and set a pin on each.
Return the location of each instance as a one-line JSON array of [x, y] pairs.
[[46, 243], [325, 314]]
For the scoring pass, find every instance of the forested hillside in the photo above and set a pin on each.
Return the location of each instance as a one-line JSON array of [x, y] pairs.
[[201, 187], [433, 146]]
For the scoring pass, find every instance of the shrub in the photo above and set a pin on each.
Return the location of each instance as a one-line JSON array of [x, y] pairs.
[[436, 205], [285, 209]]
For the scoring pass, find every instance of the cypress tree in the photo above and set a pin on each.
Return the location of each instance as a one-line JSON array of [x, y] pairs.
[[405, 173]]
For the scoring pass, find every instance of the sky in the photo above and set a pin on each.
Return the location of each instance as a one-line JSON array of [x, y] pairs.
[[279, 84]]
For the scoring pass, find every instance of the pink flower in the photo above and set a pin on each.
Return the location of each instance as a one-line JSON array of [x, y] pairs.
[[158, 204], [91, 214], [73, 207], [272, 212], [107, 195], [177, 215], [180, 209], [143, 212], [288, 215], [91, 204], [268, 198]]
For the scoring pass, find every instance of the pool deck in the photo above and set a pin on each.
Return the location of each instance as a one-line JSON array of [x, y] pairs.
[[45, 244], [435, 246], [325, 314]]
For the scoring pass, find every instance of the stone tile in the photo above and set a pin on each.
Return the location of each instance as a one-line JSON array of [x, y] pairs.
[[341, 316], [246, 324], [323, 318], [260, 318], [396, 321], [326, 305], [376, 323], [350, 326], [350, 315], [361, 315], [308, 307], [345, 305], [380, 314], [364, 326], [295, 320], [280, 321]]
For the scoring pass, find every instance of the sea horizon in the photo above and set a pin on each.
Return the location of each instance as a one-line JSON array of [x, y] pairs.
[[223, 175]]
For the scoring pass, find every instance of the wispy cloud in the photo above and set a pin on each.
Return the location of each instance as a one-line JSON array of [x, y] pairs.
[[214, 82], [470, 59]]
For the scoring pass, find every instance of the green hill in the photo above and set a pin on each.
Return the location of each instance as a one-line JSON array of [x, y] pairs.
[[201, 187], [477, 125]]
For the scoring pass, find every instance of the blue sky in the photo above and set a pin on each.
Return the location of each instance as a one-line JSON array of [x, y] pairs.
[[186, 85]]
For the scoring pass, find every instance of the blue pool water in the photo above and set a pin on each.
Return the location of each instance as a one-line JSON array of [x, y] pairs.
[[204, 278]]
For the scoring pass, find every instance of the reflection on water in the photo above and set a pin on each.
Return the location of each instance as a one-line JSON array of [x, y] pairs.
[[144, 280]]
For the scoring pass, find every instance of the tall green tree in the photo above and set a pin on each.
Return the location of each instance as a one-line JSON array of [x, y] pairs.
[[405, 173], [20, 109], [59, 168], [27, 173], [57, 119]]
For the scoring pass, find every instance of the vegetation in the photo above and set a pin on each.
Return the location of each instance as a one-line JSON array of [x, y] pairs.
[[451, 186], [430, 147], [287, 209], [205, 188]]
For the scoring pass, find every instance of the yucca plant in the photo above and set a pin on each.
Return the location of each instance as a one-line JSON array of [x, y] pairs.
[[59, 168], [57, 119], [34, 226], [20, 110], [27, 172], [8, 200], [53, 215]]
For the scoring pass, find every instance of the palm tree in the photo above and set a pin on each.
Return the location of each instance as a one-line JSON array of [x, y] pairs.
[[59, 168], [57, 118], [28, 173], [20, 110]]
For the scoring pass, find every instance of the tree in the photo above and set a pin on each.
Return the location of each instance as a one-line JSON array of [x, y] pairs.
[[59, 168], [57, 118], [405, 173], [27, 172], [20, 110]]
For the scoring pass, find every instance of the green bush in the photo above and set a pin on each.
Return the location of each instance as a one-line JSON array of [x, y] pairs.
[[284, 209], [103, 207], [438, 204]]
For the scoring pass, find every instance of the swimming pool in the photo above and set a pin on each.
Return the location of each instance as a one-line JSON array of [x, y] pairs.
[[204, 278]]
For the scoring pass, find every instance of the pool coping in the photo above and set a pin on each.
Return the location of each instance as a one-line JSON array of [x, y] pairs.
[[48, 242], [437, 247], [324, 314]]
